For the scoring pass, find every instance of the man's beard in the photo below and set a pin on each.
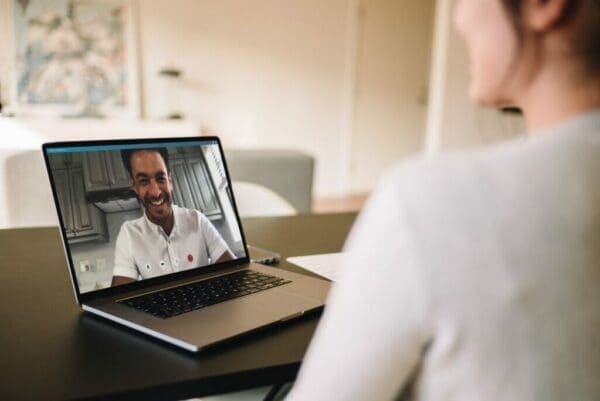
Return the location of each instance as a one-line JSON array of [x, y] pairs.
[[158, 208]]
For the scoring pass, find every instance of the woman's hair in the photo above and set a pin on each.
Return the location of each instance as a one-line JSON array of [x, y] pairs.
[[513, 8], [588, 47]]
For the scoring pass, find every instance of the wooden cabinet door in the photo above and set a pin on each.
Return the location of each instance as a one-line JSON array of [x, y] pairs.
[[203, 185], [119, 176], [82, 220], [104, 170], [63, 190], [192, 185], [88, 221], [183, 193], [95, 171], [82, 216]]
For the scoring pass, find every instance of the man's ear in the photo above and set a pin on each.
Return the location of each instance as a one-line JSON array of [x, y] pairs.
[[543, 15]]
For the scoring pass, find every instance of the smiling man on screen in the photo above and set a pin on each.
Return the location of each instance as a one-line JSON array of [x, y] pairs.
[[167, 238]]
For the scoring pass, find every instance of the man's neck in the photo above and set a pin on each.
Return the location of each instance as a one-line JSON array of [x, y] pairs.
[[167, 224]]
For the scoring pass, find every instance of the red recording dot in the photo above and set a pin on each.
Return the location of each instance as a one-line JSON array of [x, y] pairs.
[[190, 258]]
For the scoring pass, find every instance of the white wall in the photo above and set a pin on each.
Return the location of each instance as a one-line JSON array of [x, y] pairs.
[[453, 121], [266, 73], [311, 75], [5, 49], [340, 79], [391, 85]]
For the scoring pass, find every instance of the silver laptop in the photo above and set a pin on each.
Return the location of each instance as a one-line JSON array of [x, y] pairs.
[[154, 242]]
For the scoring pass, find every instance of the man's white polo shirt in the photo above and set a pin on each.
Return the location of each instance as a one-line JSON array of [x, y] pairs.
[[144, 249]]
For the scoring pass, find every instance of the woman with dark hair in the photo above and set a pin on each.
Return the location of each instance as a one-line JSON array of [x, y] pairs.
[[475, 276]]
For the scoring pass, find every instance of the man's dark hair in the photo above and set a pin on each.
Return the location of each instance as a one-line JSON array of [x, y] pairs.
[[127, 153]]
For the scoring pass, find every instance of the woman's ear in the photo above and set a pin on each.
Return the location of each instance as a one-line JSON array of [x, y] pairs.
[[543, 15]]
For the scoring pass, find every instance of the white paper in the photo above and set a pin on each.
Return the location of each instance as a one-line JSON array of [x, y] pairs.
[[326, 264]]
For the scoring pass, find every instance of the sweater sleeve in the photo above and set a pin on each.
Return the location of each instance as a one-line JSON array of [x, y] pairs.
[[373, 332]]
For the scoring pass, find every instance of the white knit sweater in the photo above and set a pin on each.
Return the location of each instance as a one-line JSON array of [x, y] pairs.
[[471, 277]]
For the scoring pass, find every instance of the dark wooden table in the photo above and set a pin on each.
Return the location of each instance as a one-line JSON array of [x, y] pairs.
[[52, 350]]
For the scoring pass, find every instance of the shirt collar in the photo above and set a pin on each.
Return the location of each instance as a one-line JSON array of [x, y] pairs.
[[158, 229]]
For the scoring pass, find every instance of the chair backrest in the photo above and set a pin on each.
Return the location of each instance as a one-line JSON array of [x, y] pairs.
[[289, 173], [255, 200], [27, 198]]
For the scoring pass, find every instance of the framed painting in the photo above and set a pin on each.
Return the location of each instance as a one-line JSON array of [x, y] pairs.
[[74, 58]]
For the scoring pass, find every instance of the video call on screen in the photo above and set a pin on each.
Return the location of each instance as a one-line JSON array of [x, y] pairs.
[[96, 197]]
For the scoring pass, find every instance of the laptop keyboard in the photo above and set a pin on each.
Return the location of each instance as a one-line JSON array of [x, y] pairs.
[[186, 298]]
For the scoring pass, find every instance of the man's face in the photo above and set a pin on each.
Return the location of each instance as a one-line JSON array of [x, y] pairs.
[[153, 185]]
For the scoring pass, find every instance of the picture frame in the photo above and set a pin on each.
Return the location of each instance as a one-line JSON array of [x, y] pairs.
[[73, 58]]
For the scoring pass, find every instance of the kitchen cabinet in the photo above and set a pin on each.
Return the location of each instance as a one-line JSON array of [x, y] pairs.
[[104, 171], [65, 160], [192, 184], [83, 221]]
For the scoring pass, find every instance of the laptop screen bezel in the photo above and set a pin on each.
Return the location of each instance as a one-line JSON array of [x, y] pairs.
[[155, 281]]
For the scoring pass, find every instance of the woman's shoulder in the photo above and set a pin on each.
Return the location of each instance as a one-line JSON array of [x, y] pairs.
[[451, 176]]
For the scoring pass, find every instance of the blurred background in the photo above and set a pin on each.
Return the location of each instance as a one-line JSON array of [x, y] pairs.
[[353, 85]]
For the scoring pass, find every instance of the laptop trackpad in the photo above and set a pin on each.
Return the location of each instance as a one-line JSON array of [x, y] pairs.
[[218, 322]]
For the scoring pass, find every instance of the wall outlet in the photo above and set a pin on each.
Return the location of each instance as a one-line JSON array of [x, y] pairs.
[[100, 264]]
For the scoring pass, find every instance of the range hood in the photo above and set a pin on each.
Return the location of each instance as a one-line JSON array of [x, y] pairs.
[[118, 205]]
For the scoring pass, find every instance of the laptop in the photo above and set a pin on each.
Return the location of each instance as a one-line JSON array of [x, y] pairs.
[[154, 242]]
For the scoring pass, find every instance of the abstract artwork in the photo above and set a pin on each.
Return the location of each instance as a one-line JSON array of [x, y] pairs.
[[74, 58]]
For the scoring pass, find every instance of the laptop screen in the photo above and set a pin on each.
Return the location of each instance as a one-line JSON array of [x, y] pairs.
[[134, 210]]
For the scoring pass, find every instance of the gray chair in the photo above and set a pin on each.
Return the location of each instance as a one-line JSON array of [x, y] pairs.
[[288, 173], [254, 200]]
